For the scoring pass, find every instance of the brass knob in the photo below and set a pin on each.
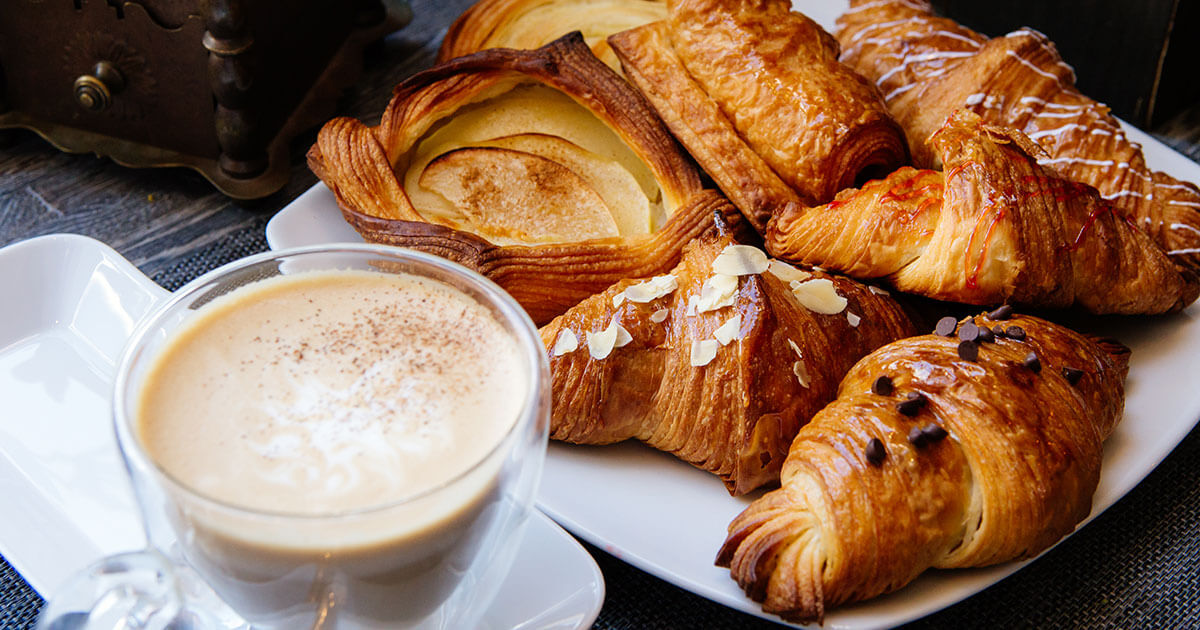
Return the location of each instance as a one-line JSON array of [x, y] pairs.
[[94, 92]]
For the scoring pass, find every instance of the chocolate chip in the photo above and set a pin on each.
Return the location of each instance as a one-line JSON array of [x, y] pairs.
[[985, 335], [1003, 312], [1032, 362], [968, 332], [1072, 374], [1015, 332], [945, 326], [918, 438], [998, 331], [934, 433], [968, 350], [883, 386], [875, 452], [912, 404]]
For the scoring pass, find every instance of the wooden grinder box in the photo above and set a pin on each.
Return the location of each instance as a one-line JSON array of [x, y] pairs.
[[219, 86]]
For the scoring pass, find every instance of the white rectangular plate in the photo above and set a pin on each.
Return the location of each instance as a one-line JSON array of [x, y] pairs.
[[669, 519]]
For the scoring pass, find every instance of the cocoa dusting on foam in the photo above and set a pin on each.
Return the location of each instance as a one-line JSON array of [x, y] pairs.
[[393, 385]]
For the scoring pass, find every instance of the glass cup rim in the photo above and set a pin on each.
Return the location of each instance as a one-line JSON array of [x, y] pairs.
[[511, 313]]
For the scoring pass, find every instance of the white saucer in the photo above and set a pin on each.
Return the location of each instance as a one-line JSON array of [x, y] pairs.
[[71, 304]]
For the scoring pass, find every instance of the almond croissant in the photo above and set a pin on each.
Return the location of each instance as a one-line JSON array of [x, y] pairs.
[[757, 95], [719, 362], [928, 66], [936, 453], [994, 227]]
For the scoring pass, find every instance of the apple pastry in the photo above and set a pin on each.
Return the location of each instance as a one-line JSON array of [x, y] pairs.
[[718, 361], [956, 449], [756, 93], [994, 227], [541, 168], [534, 23], [927, 67]]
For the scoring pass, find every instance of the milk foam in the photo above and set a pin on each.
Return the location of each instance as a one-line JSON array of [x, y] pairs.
[[325, 392]]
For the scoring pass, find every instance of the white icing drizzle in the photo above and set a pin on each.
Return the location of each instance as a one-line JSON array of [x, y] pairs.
[[920, 6], [1029, 64], [898, 91], [933, 56], [1089, 162], [1182, 226], [1056, 131]]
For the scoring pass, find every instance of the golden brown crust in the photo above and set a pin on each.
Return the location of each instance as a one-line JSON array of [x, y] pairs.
[[736, 415], [651, 64], [1014, 473], [366, 168], [534, 23], [756, 94], [994, 228], [928, 66]]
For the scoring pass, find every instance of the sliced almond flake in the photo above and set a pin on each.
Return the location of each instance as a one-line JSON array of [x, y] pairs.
[[623, 336], [729, 330], [795, 349], [619, 299], [691, 307], [876, 290], [659, 316], [718, 291], [853, 319], [801, 372], [703, 352], [651, 289], [601, 344], [819, 296], [786, 272], [566, 342], [740, 260]]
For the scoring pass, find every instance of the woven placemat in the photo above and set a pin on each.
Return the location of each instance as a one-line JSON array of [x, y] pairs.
[[1137, 565]]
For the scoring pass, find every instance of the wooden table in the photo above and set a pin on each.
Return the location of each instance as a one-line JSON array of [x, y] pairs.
[[162, 219]]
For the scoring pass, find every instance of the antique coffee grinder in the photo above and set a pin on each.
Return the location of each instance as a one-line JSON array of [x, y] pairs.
[[219, 86]]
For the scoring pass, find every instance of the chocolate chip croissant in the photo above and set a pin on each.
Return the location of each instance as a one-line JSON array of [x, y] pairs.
[[936, 453], [718, 362], [994, 227], [927, 67], [757, 95]]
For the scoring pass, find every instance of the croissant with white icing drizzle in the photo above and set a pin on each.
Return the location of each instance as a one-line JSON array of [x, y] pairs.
[[927, 67], [718, 362], [757, 95], [932, 456], [994, 227]]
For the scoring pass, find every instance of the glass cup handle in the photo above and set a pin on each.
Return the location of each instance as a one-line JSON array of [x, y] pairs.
[[136, 590]]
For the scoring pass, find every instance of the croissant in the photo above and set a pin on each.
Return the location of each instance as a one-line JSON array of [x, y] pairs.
[[936, 453], [756, 94], [718, 362], [534, 23], [542, 169], [994, 227], [927, 67]]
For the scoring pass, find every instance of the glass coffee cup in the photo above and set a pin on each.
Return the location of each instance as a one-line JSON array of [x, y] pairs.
[[394, 493]]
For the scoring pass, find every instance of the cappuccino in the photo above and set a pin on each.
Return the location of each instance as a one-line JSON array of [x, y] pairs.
[[369, 406]]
